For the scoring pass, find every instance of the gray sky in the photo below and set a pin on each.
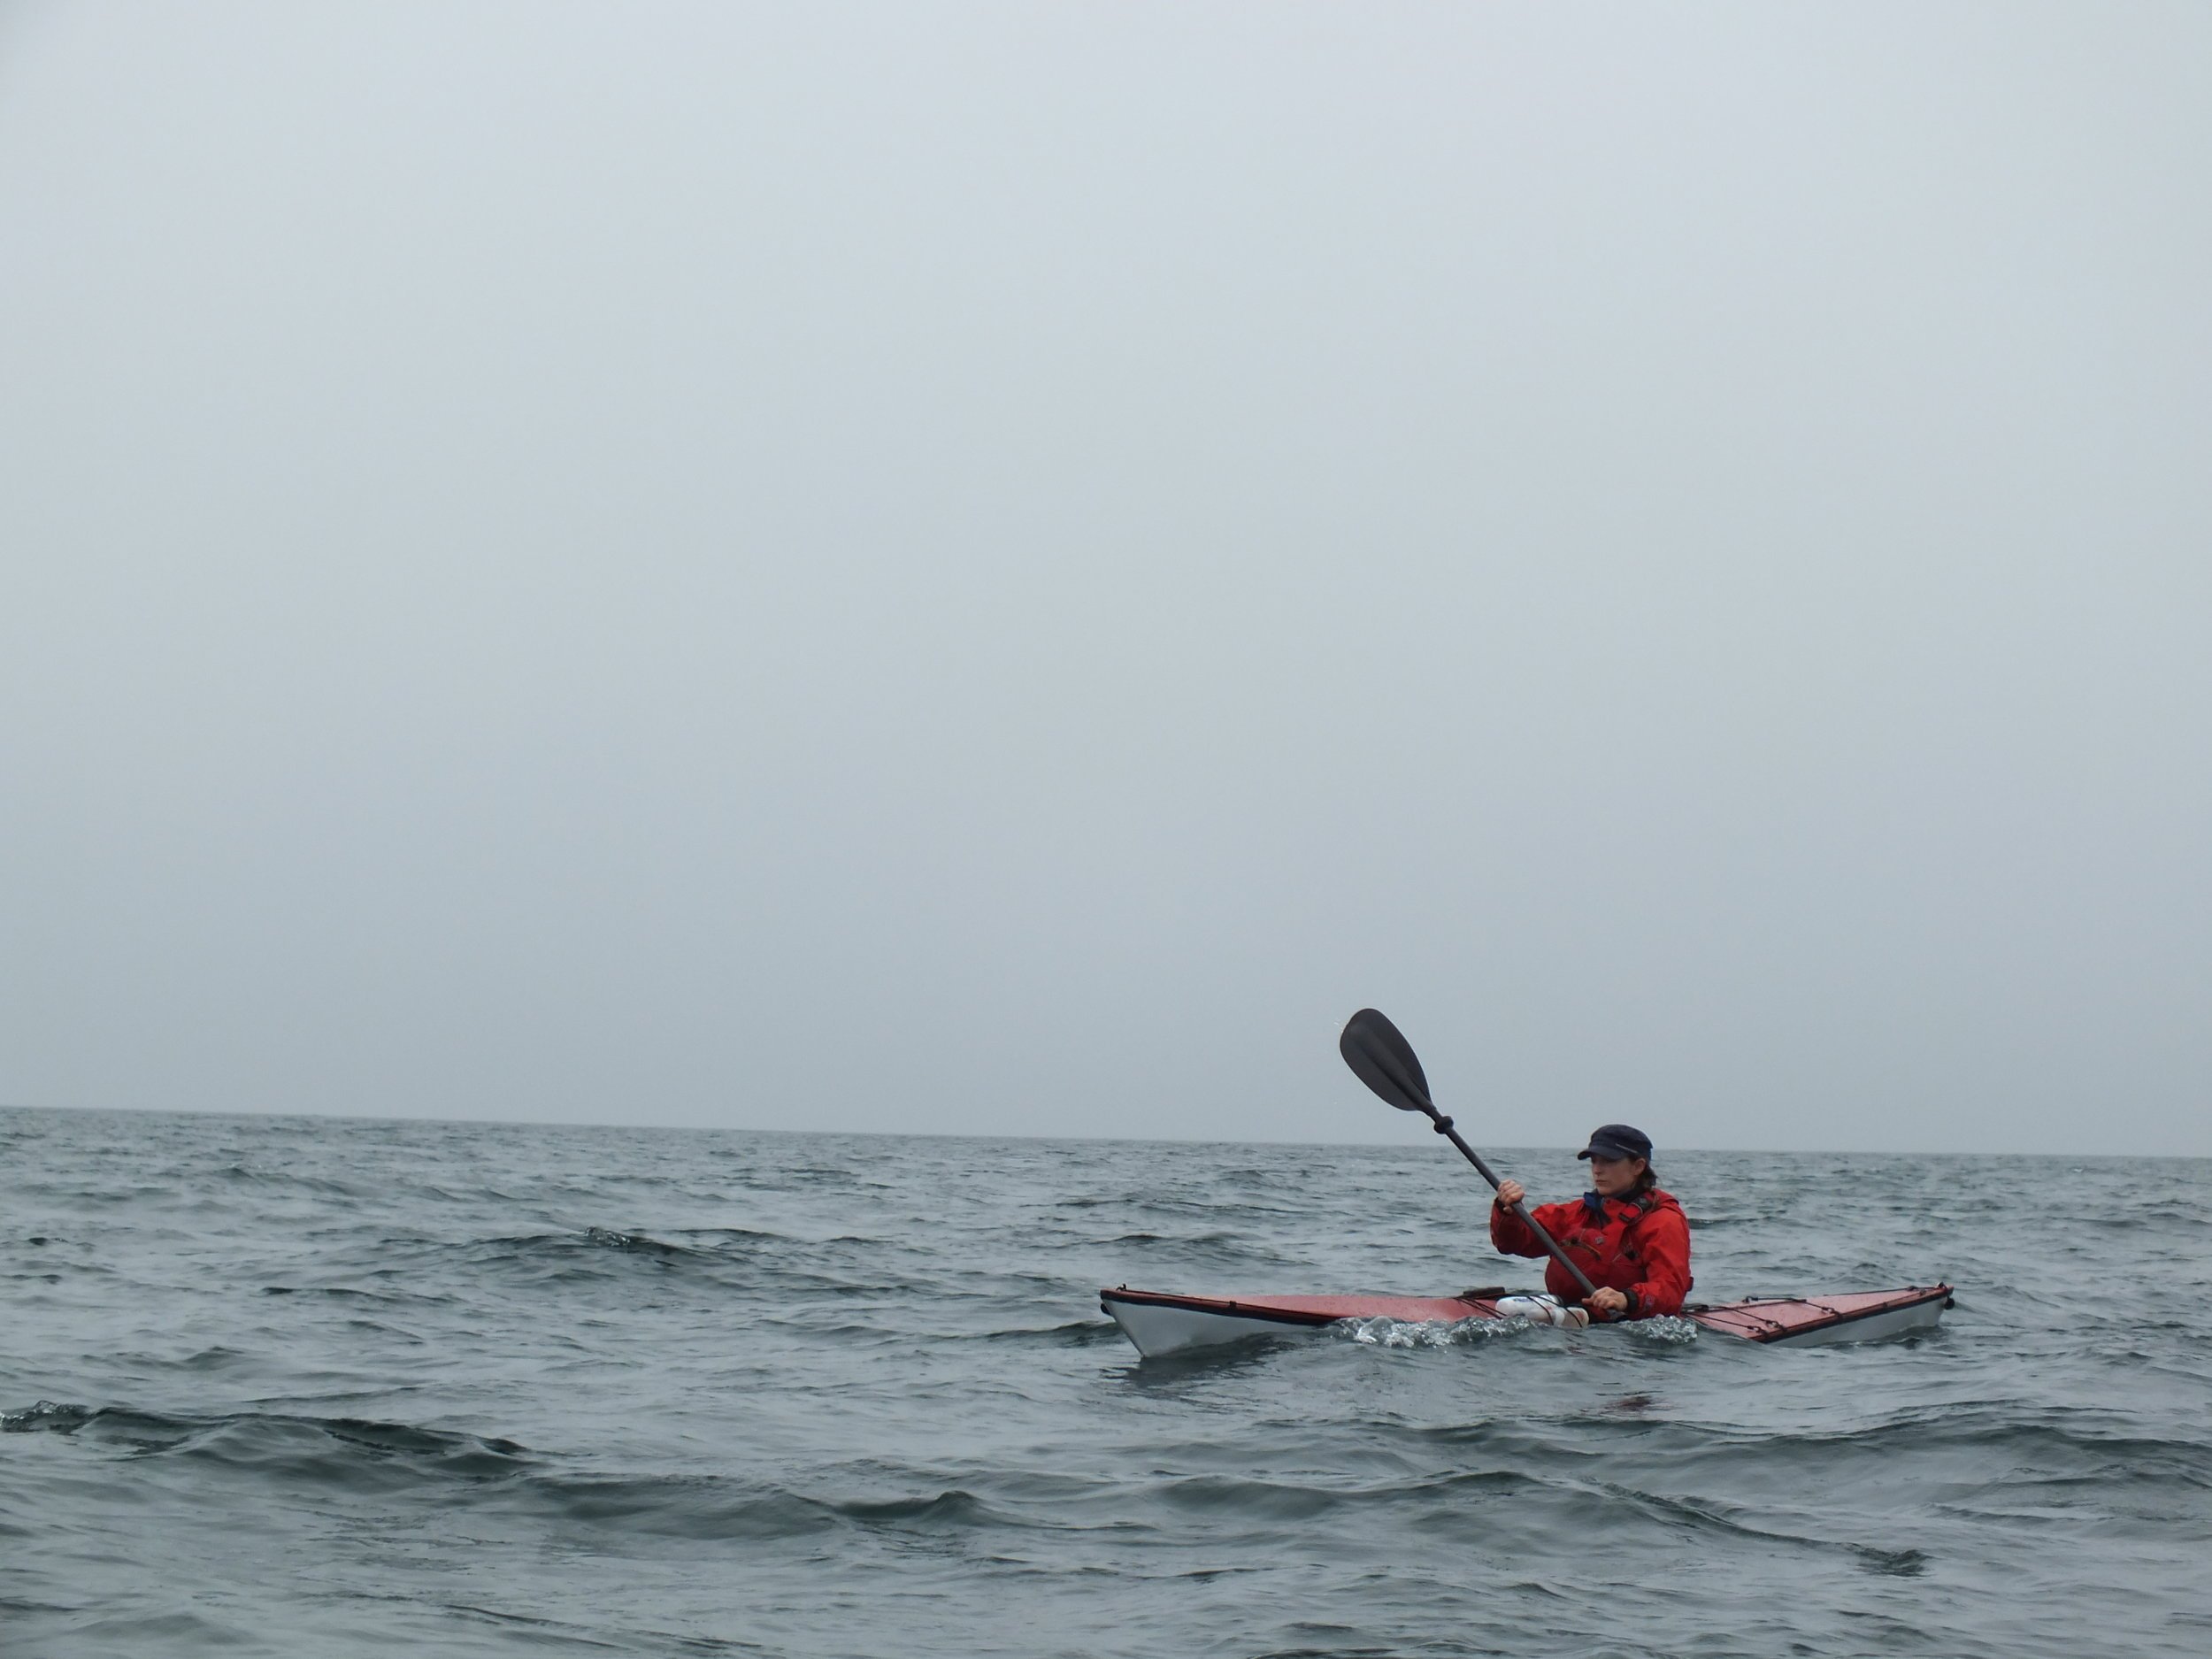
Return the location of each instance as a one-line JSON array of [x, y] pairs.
[[1002, 569]]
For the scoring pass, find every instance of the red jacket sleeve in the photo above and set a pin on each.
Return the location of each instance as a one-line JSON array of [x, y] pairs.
[[1664, 1240], [1515, 1237]]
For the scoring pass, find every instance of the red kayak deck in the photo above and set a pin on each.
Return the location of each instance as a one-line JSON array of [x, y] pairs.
[[1771, 1319], [1842, 1317]]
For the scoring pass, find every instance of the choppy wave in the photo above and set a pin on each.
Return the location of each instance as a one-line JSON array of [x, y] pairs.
[[345, 1452]]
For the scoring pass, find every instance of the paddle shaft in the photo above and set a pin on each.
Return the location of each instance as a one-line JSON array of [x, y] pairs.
[[1444, 1127], [1380, 1057]]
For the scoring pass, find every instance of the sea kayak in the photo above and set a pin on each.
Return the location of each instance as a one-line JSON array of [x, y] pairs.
[[1162, 1322]]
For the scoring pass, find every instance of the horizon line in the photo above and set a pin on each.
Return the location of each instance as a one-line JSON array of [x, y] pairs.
[[953, 1134]]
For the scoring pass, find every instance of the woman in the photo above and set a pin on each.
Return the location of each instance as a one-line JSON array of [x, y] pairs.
[[1632, 1239]]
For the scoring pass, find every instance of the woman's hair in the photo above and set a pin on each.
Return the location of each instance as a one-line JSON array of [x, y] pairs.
[[1647, 1180]]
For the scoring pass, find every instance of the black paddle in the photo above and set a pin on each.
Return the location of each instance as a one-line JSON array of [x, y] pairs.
[[1384, 1059]]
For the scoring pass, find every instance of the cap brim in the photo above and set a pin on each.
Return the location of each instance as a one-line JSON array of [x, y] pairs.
[[1607, 1150]]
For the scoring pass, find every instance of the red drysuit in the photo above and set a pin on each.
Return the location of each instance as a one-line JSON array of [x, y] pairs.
[[1638, 1244]]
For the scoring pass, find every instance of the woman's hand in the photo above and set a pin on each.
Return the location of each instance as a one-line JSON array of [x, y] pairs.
[[1511, 1192], [1607, 1302]]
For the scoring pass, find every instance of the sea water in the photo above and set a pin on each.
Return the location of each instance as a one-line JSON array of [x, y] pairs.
[[304, 1386]]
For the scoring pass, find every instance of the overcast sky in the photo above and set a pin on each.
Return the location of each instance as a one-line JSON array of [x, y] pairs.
[[1002, 569]]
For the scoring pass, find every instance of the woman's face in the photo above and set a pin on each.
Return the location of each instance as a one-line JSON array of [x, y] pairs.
[[1612, 1177]]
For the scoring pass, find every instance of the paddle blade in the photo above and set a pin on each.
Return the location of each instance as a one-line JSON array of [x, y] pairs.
[[1383, 1060]]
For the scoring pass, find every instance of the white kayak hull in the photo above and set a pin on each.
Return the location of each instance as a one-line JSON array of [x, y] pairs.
[[1155, 1330], [1160, 1323]]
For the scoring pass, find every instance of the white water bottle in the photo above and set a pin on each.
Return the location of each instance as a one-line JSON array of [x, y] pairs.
[[1541, 1310]]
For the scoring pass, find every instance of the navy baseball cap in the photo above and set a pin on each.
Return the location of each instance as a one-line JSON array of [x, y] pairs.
[[1618, 1141]]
